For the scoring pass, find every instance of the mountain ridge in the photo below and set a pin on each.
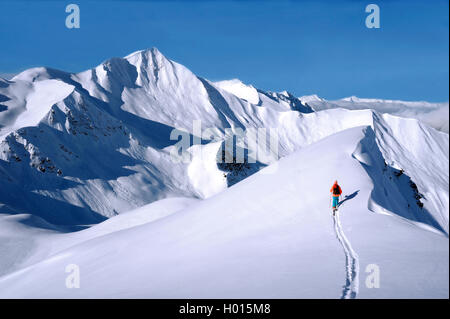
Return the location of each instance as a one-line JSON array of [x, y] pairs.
[[284, 240], [110, 129]]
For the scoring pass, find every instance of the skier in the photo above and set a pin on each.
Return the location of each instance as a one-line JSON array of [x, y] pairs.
[[336, 192]]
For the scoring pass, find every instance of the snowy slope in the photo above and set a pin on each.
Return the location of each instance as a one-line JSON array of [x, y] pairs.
[[27, 239], [267, 244], [110, 146], [92, 152], [236, 87], [110, 131]]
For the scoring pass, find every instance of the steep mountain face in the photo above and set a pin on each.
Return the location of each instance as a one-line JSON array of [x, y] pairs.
[[79, 148]]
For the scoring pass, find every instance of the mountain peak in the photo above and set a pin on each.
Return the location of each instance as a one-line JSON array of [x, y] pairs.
[[311, 98], [239, 89], [351, 99], [33, 74], [149, 52], [285, 93]]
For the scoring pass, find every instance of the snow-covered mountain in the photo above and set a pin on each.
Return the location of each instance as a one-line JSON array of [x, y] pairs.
[[83, 141], [79, 148], [269, 236], [433, 114]]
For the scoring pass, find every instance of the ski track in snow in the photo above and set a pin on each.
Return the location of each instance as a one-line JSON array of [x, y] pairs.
[[351, 287]]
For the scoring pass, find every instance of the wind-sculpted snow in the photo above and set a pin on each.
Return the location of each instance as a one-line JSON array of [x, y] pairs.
[[268, 236], [407, 174], [27, 239], [100, 144]]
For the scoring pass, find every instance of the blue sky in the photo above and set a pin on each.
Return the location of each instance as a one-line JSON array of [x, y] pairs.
[[305, 47]]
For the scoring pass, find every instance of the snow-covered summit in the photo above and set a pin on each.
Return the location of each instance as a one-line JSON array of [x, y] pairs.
[[96, 147], [310, 98], [110, 130]]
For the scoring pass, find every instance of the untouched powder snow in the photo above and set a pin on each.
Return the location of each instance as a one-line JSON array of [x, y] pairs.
[[103, 192], [109, 130], [265, 245], [27, 239]]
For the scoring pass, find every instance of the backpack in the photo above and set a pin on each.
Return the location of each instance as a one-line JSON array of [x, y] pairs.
[[336, 190]]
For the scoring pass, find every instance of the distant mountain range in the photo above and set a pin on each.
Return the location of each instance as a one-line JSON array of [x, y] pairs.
[[78, 148], [93, 183]]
